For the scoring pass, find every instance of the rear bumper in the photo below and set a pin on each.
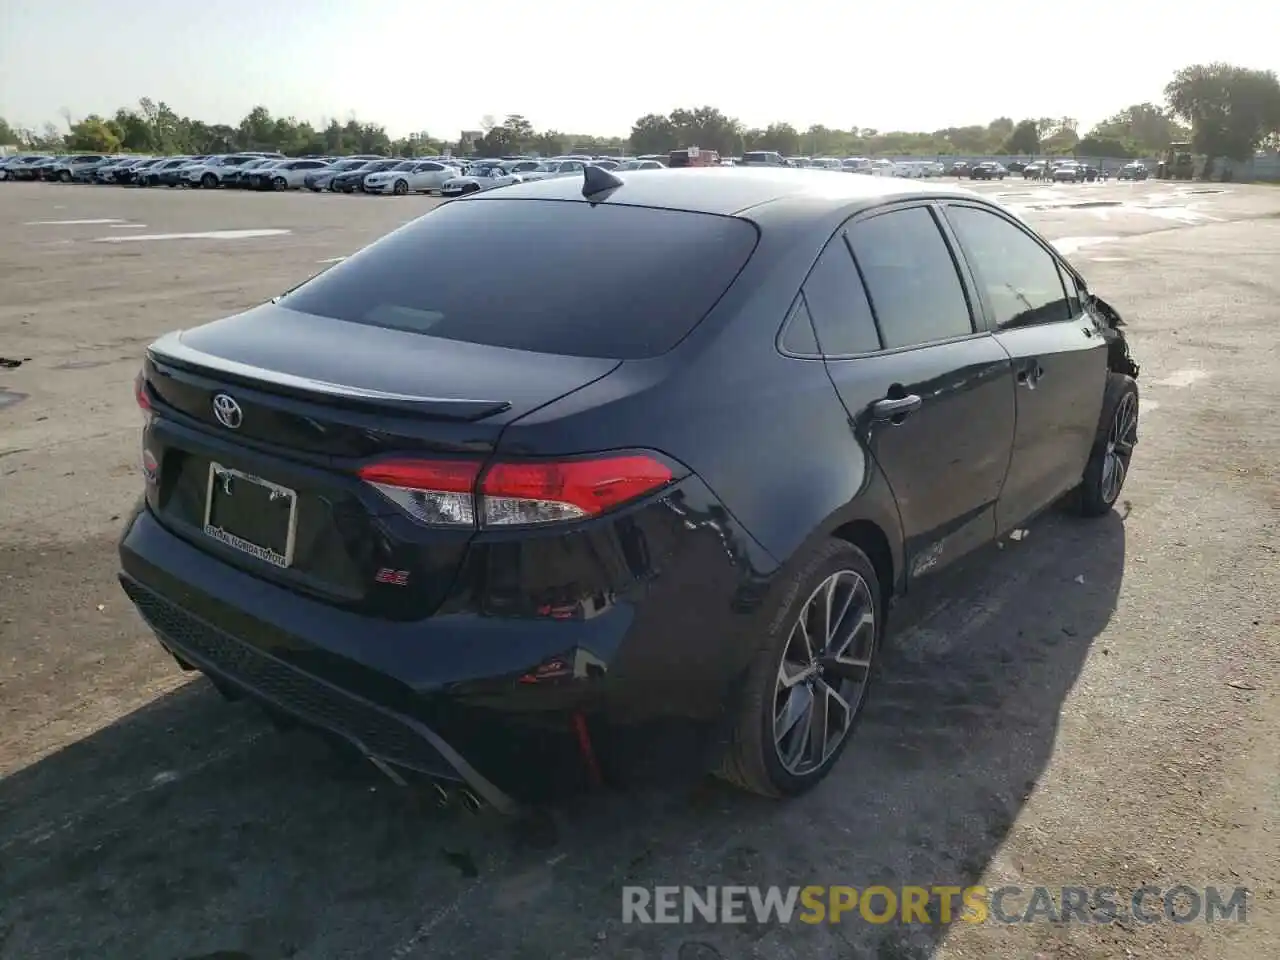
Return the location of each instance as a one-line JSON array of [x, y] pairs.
[[379, 733], [493, 701]]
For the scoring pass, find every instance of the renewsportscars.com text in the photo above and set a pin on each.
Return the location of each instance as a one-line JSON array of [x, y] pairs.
[[934, 904]]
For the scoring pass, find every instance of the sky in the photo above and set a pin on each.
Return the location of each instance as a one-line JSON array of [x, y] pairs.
[[594, 67]]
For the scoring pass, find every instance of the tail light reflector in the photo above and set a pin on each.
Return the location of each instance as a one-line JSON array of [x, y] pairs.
[[140, 392], [456, 493], [436, 492]]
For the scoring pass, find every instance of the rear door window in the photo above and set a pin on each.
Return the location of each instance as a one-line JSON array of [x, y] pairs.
[[911, 278], [575, 279], [838, 304]]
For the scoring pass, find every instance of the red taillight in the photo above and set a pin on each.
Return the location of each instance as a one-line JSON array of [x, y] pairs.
[[140, 393], [453, 493], [515, 493]]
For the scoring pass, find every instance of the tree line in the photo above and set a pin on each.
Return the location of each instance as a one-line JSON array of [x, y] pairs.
[[1223, 110]]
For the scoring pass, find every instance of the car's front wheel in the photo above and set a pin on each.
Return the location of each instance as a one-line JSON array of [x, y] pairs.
[[808, 679], [401, 188], [1108, 465], [279, 183]]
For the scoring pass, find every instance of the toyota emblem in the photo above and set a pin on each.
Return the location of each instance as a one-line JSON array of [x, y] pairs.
[[227, 411]]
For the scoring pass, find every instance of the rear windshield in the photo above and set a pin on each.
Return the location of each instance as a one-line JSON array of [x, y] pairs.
[[548, 276]]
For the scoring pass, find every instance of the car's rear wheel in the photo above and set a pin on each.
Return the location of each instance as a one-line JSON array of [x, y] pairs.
[[279, 183], [64, 176], [809, 677], [1108, 465], [208, 181], [400, 188]]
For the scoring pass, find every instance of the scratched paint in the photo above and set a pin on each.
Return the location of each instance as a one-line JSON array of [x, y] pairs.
[[207, 235]]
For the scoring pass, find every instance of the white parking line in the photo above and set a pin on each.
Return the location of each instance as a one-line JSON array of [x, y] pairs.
[[1182, 378], [1069, 245], [208, 235], [70, 223]]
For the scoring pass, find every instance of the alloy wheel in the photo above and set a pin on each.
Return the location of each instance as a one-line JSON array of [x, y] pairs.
[[824, 671], [1121, 438]]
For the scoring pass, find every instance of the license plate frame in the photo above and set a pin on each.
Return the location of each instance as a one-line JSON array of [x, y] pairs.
[[218, 476]]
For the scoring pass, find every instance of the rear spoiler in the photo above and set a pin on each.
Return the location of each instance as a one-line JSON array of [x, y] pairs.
[[170, 352]]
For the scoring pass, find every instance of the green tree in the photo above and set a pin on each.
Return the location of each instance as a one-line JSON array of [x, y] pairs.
[[1095, 146], [93, 135], [1023, 139], [1232, 110], [781, 137], [8, 135], [1145, 127], [653, 133]]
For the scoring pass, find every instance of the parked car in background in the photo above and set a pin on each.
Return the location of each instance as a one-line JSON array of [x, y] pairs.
[[353, 180], [451, 514], [855, 165], [320, 179], [236, 177], [763, 158], [64, 168], [284, 175], [553, 168], [164, 173], [212, 172], [411, 176], [640, 165], [988, 170], [26, 168], [1068, 172], [884, 168], [478, 178], [132, 172], [1016, 166], [88, 172], [1133, 171]]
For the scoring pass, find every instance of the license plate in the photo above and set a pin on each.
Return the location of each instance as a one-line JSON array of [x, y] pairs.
[[252, 515]]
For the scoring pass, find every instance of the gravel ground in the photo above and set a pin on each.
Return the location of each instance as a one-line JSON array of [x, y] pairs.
[[1096, 706]]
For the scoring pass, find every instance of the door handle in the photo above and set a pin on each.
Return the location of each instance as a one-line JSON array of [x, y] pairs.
[[892, 408]]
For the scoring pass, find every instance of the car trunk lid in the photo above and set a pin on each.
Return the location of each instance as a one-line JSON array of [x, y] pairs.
[[259, 423]]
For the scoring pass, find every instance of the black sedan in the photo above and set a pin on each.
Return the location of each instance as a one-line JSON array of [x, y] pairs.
[[988, 170], [444, 513], [352, 181]]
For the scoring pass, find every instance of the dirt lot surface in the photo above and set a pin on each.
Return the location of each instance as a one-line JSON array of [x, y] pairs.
[[1098, 706]]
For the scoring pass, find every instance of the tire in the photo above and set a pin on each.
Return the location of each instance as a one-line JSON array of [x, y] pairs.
[[1112, 448], [64, 176], [209, 181], [279, 183], [753, 759], [400, 188]]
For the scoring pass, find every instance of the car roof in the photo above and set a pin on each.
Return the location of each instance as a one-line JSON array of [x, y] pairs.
[[733, 190]]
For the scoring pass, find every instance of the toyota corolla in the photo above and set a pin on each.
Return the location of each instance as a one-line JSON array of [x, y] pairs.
[[636, 502]]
